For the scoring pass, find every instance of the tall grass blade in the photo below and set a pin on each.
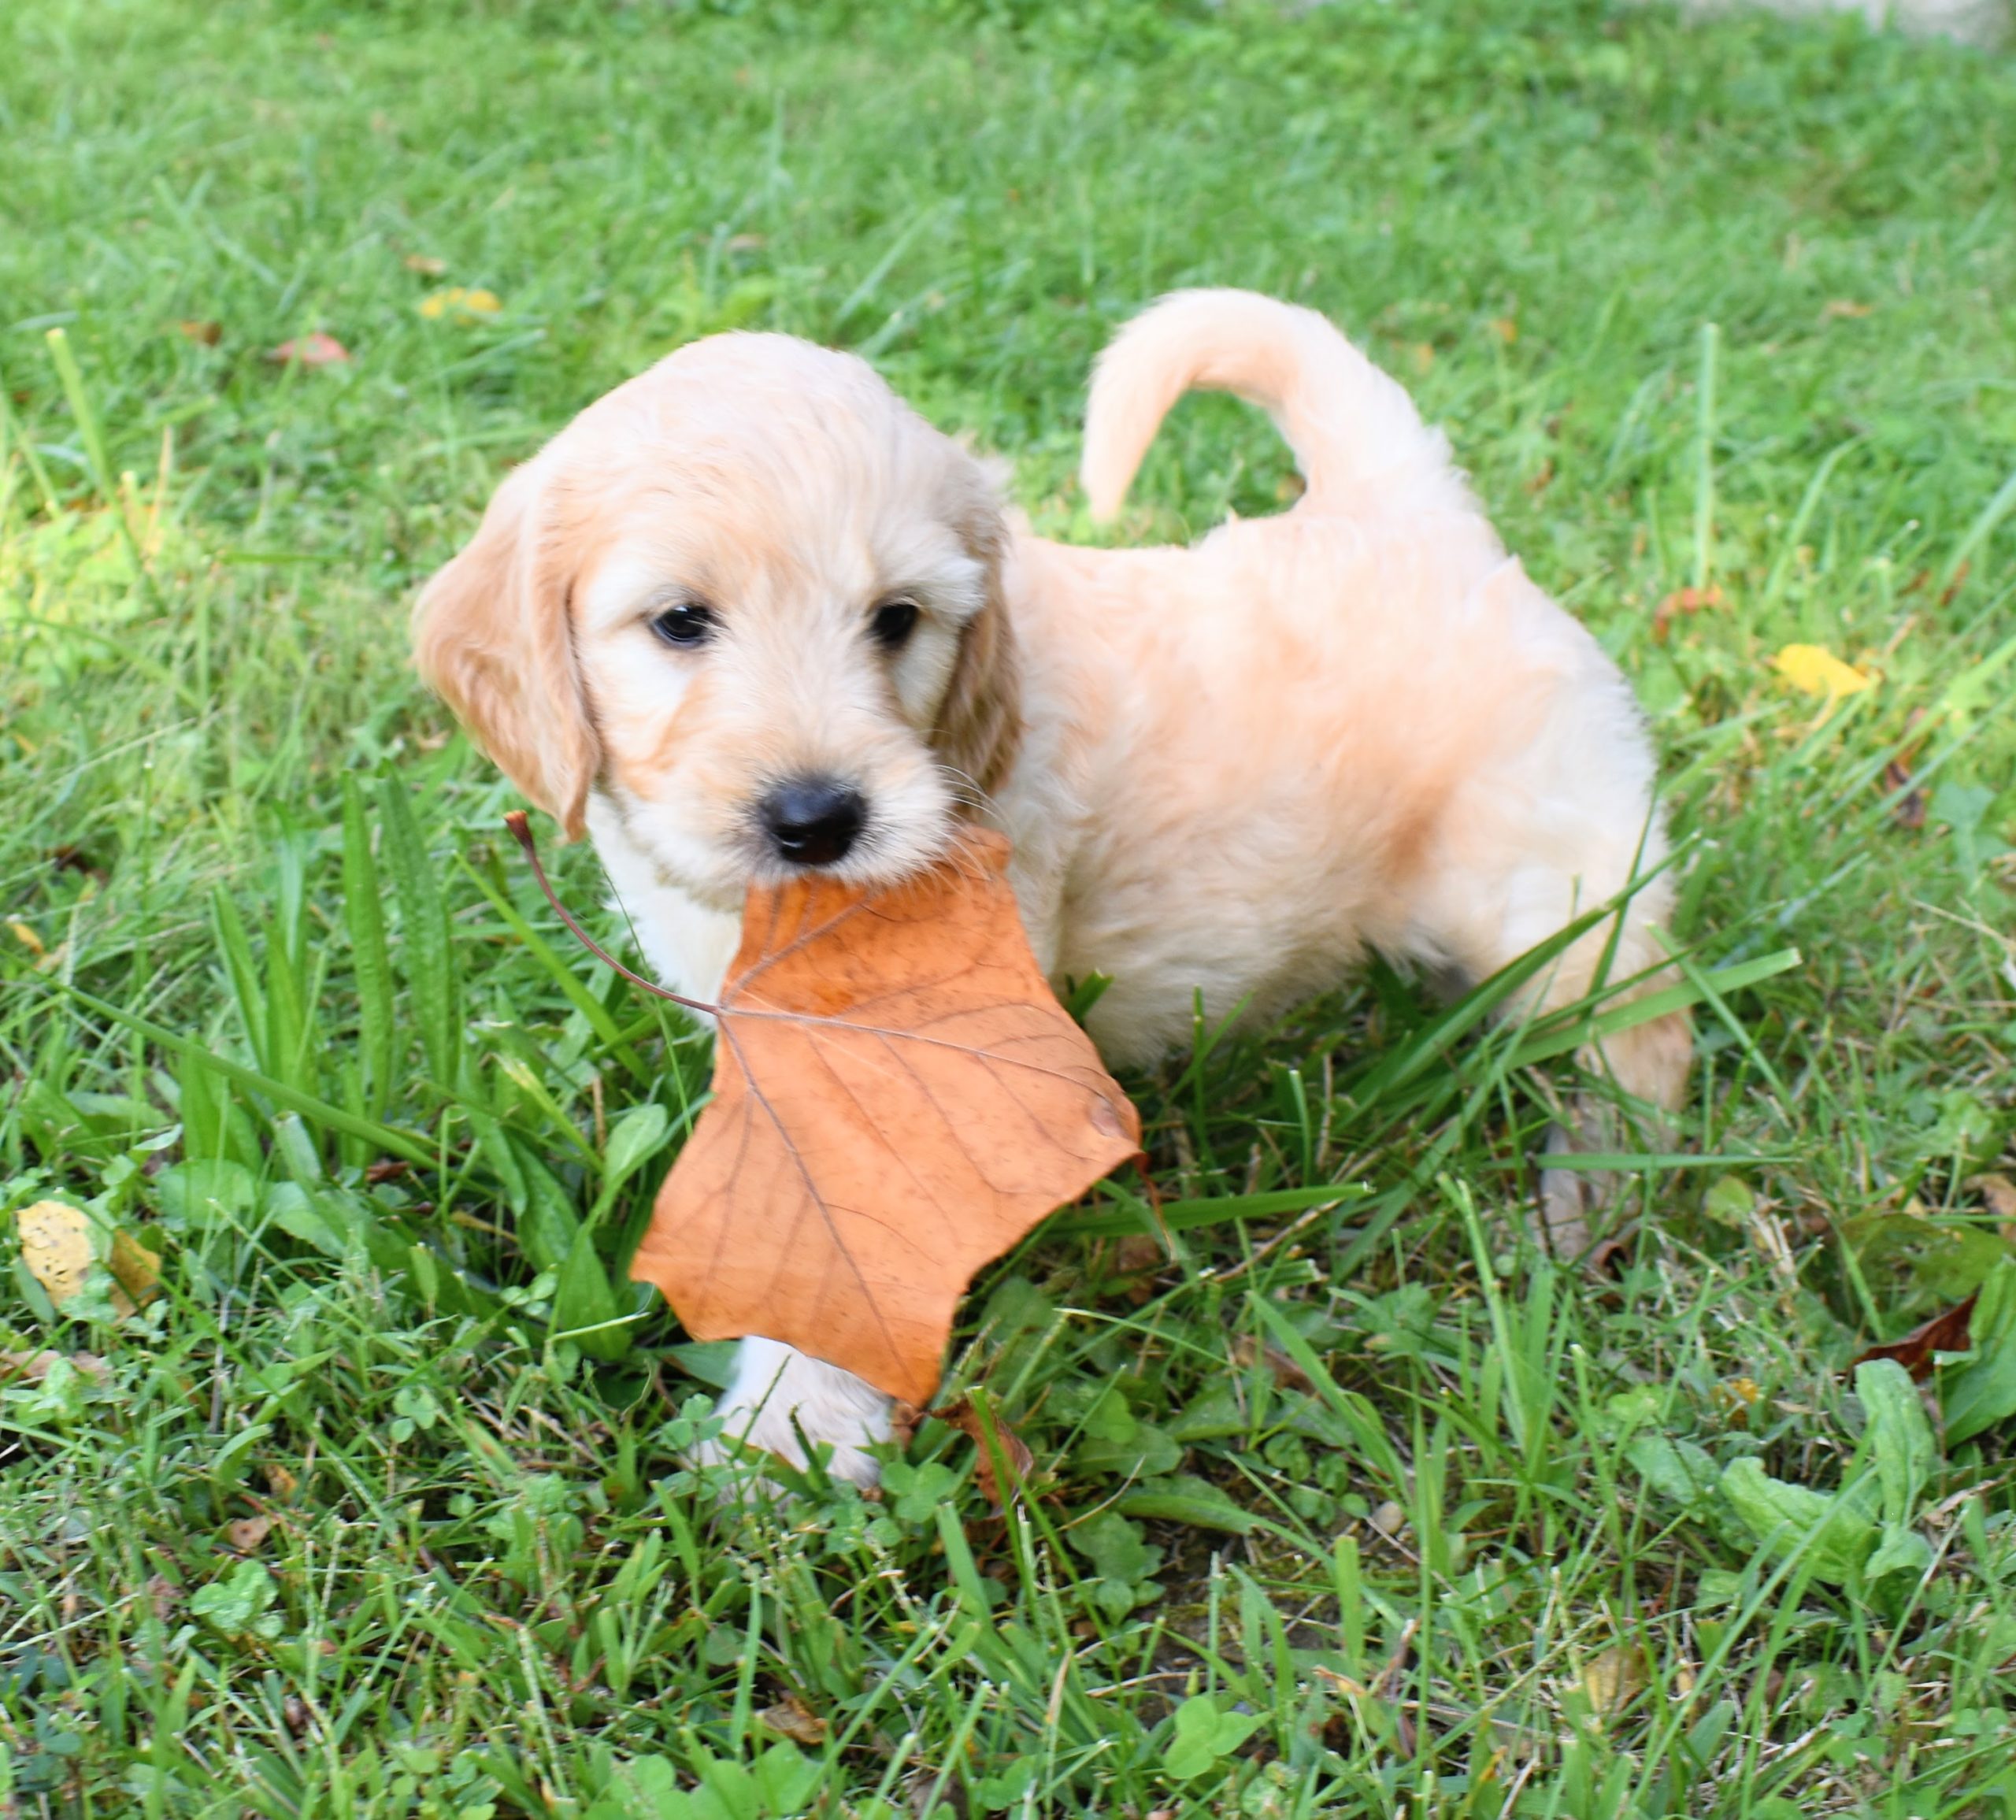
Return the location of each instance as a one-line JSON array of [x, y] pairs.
[[427, 954], [410, 1145], [371, 963]]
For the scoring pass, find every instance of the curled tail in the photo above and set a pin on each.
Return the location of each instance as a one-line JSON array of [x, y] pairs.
[[1353, 429]]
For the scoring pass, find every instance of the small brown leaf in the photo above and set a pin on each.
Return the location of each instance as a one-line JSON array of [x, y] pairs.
[[1613, 1677], [280, 1481], [1246, 1351], [903, 1418], [248, 1532], [1946, 1332], [35, 1367], [312, 351], [1015, 1451], [425, 264], [898, 1097], [1909, 811], [791, 1717], [1998, 1194], [1681, 601], [163, 1595], [204, 334]]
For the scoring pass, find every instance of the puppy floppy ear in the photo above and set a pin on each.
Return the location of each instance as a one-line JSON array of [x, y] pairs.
[[490, 636], [979, 728]]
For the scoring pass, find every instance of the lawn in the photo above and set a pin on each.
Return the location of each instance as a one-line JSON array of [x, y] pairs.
[[1347, 1500]]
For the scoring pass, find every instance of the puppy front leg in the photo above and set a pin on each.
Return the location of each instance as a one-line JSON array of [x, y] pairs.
[[777, 1393]]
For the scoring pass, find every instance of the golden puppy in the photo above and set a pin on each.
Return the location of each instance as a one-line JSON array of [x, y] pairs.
[[749, 613]]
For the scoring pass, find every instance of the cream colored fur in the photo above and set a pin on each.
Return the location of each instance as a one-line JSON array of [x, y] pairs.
[[1228, 770]]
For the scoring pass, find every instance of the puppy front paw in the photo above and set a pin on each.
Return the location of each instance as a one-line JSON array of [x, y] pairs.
[[781, 1400]]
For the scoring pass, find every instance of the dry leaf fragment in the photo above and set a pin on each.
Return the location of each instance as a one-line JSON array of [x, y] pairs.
[[1683, 600], [163, 1595], [28, 938], [35, 1366], [135, 1268], [897, 1098], [56, 1246], [316, 349], [248, 1532], [478, 303], [903, 1420], [1612, 1677], [791, 1717], [1946, 1332], [426, 264], [1836, 307], [1015, 1451], [1816, 671], [1998, 1194], [1909, 809], [203, 333]]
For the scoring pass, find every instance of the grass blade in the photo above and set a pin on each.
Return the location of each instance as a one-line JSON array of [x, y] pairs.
[[371, 963], [410, 1145], [427, 954]]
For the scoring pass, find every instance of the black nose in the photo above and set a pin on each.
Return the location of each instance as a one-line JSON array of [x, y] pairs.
[[813, 821]]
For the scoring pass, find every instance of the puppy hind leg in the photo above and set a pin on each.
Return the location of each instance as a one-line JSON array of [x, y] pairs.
[[779, 1394], [1647, 1064]]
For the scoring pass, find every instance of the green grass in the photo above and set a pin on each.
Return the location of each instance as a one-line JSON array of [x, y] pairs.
[[1352, 1505]]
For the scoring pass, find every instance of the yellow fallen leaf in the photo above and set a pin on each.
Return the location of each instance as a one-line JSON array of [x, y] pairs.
[[437, 304], [134, 1268], [1817, 671], [27, 937], [56, 1246], [1611, 1678], [57, 1249]]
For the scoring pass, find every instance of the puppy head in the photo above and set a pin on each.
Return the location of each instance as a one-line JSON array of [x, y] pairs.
[[752, 600]]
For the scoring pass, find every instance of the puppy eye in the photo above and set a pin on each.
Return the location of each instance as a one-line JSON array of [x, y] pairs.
[[891, 625], [685, 625]]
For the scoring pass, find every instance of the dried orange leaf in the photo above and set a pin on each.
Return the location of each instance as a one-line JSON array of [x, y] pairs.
[[248, 1532], [135, 1268], [206, 333], [898, 1099], [1816, 671], [316, 349], [1015, 1453], [791, 1717]]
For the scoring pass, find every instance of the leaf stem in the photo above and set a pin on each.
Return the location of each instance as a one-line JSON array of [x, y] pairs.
[[519, 824]]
